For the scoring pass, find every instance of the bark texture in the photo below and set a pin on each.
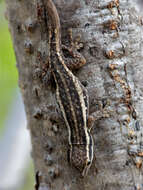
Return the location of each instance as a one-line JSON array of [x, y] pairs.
[[111, 34]]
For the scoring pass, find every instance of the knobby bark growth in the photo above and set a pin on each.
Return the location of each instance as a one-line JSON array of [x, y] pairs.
[[111, 34]]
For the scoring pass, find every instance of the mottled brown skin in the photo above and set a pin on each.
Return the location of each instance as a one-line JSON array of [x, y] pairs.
[[79, 159], [71, 96]]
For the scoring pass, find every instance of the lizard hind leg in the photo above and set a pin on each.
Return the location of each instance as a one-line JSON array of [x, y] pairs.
[[76, 43], [73, 58]]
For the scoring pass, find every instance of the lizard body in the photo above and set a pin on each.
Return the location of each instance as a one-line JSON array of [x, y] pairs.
[[71, 95]]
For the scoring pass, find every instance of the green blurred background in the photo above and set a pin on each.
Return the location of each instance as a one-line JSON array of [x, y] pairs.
[[8, 71], [8, 86]]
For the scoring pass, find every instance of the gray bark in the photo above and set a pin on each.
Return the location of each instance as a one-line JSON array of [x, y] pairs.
[[111, 33]]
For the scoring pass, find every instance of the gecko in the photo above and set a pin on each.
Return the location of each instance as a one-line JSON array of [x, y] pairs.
[[71, 95]]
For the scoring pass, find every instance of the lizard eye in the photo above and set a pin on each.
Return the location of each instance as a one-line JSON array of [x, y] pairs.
[[88, 163]]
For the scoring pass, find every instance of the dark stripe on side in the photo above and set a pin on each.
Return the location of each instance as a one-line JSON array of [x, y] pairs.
[[86, 100], [66, 104], [76, 104], [90, 146]]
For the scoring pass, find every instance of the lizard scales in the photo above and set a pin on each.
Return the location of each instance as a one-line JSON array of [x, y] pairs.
[[71, 96]]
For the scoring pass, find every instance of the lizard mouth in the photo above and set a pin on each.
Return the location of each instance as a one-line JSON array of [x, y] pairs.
[[85, 171]]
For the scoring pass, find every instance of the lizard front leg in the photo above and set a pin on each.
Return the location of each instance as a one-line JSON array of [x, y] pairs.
[[102, 112]]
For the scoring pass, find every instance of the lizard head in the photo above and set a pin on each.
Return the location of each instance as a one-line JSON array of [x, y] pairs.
[[81, 156]]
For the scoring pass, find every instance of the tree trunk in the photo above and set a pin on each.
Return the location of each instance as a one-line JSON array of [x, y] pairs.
[[111, 35]]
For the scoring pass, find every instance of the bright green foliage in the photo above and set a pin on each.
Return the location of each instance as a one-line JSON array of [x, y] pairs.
[[28, 183], [8, 71], [8, 83]]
